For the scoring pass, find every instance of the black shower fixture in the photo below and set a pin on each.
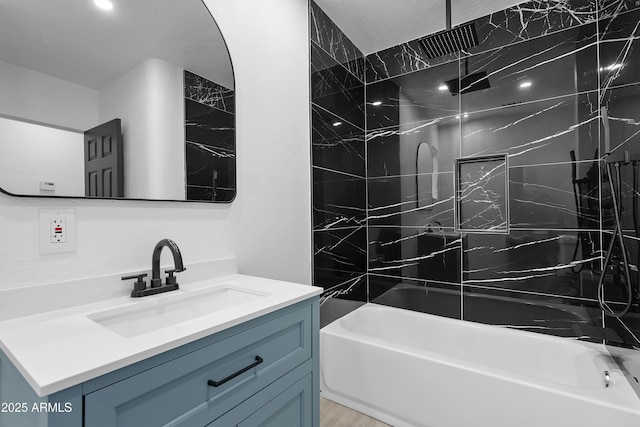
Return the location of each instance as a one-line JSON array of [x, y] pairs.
[[468, 83], [454, 40], [450, 41]]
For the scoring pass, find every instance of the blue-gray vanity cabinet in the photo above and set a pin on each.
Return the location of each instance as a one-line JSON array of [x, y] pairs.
[[288, 402], [171, 389]]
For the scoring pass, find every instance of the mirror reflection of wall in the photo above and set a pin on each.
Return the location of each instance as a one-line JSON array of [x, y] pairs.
[[67, 67]]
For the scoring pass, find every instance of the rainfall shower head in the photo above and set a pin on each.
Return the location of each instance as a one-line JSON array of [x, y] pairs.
[[450, 41]]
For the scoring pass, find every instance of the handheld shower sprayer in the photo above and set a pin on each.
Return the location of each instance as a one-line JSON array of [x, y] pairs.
[[616, 193]]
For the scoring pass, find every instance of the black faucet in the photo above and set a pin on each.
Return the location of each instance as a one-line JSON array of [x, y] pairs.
[[140, 288], [156, 281]]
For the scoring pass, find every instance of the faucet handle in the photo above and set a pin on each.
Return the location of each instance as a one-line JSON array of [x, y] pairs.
[[139, 284], [171, 279]]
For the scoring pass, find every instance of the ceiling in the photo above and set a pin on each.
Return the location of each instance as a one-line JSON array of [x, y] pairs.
[[75, 41], [374, 25]]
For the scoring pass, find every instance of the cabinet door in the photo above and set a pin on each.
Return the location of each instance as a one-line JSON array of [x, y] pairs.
[[178, 392], [290, 408]]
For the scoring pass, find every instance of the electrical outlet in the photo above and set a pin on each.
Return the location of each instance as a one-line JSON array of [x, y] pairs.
[[57, 231]]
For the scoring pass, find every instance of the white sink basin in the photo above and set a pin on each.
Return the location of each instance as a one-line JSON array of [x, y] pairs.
[[171, 309]]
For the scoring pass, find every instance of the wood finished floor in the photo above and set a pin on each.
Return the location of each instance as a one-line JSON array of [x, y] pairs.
[[334, 415]]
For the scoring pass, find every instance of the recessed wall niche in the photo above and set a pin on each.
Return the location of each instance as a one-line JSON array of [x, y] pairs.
[[482, 194]]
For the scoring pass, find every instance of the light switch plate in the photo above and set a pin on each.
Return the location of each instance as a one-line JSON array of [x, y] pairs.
[[49, 219]]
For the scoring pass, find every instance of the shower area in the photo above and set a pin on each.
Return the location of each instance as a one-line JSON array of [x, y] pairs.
[[460, 188], [473, 184], [495, 184]]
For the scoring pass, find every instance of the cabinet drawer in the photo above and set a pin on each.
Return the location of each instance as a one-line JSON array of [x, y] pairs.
[[178, 393], [292, 407], [287, 402]]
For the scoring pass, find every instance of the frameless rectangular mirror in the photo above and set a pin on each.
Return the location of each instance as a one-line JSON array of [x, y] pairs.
[[131, 101]]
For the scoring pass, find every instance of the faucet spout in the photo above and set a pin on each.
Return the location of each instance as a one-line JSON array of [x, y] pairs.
[[155, 260]]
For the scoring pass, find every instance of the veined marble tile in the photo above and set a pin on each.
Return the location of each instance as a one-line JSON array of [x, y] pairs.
[[402, 59], [545, 196], [536, 133], [427, 253], [341, 250], [620, 50], [614, 8], [338, 200], [481, 194], [336, 146], [210, 173], [209, 126], [203, 160], [561, 63], [395, 150], [529, 20], [623, 116], [206, 92], [341, 284], [518, 23], [441, 299], [326, 34], [417, 96], [536, 261], [385, 112], [395, 201], [540, 313], [336, 89]]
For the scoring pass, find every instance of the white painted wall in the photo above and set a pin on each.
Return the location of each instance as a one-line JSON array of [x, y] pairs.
[[268, 226], [269, 46], [150, 102], [31, 153], [38, 97]]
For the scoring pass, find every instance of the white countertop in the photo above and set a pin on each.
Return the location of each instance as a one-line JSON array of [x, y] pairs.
[[59, 349]]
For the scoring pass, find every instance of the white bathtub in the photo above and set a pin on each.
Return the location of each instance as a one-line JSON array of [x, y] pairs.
[[413, 369]]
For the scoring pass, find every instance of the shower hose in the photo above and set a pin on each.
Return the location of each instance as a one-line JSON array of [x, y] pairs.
[[618, 233]]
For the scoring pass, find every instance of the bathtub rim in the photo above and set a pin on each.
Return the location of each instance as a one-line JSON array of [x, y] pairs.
[[620, 382]]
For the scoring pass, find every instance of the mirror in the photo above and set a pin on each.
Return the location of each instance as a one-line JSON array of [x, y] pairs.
[[157, 74]]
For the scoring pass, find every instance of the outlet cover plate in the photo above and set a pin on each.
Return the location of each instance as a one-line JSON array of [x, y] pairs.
[[44, 231]]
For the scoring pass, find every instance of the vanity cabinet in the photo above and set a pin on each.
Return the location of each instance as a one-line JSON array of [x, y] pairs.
[[261, 372]]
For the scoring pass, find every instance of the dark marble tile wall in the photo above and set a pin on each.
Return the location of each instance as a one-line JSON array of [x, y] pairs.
[[619, 67], [549, 68], [339, 167], [210, 151], [326, 34]]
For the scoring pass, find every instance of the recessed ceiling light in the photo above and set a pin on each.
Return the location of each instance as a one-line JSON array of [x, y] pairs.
[[376, 103], [525, 84], [103, 4], [337, 124], [443, 87]]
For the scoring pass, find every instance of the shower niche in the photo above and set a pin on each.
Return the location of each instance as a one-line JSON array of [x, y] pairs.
[[482, 194]]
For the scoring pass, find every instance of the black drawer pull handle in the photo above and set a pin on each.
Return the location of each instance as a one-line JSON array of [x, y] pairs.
[[213, 383]]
